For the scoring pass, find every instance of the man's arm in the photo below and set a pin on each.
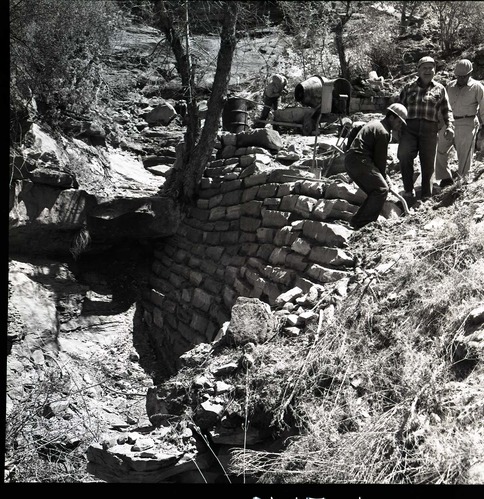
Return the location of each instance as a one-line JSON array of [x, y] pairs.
[[447, 115], [480, 102], [402, 98], [380, 152]]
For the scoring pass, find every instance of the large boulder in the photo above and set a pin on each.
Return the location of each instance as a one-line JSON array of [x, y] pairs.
[[62, 188], [252, 321], [41, 159], [44, 219], [262, 137], [162, 114]]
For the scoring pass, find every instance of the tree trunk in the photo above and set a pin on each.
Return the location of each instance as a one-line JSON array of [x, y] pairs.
[[403, 18], [167, 25], [203, 150], [182, 183], [340, 48], [342, 17]]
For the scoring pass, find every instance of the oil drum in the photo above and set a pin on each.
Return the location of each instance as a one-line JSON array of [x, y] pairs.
[[234, 115]]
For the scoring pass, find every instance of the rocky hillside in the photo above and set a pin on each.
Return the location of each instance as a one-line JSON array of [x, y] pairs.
[[398, 355]]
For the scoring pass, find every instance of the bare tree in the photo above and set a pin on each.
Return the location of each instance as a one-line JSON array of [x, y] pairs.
[[306, 23], [342, 13], [452, 17], [168, 24], [407, 9], [310, 21], [183, 181]]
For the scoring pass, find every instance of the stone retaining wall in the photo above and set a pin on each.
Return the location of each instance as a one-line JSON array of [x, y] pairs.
[[256, 231], [370, 104]]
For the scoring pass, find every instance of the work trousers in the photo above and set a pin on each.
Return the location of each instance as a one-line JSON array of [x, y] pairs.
[[418, 137], [464, 143], [270, 104], [368, 177]]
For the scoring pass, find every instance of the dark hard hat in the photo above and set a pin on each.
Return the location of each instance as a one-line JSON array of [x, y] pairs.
[[400, 110]]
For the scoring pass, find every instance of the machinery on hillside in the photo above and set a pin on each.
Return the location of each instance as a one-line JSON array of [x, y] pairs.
[[324, 108]]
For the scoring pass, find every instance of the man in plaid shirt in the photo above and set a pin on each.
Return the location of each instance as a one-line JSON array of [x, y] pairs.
[[424, 100]]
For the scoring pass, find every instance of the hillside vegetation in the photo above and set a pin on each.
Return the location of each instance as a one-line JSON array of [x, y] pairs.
[[384, 390], [388, 384]]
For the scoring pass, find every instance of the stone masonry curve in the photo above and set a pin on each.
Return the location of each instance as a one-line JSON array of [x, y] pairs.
[[258, 230]]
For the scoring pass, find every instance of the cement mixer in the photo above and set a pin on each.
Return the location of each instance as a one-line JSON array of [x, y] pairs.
[[332, 95]]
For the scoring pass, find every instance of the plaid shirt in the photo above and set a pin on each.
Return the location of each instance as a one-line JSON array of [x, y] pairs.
[[427, 103]]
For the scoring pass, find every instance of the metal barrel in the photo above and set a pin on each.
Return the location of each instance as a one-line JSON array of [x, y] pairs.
[[234, 115]]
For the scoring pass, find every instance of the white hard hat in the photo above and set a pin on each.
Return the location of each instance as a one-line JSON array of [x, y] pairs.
[[463, 67], [426, 60], [400, 110]]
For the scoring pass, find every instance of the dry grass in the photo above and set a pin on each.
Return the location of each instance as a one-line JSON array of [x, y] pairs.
[[373, 390], [377, 395], [41, 448]]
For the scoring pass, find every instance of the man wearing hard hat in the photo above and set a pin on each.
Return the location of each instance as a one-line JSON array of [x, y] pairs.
[[425, 100], [466, 97], [366, 162]]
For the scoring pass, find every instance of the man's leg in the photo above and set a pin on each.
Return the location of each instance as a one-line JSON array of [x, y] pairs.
[[407, 152], [367, 176], [442, 170], [464, 145], [269, 103], [427, 151], [275, 106]]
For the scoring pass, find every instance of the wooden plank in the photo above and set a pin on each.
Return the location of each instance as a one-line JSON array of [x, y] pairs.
[[322, 126], [306, 178], [283, 123]]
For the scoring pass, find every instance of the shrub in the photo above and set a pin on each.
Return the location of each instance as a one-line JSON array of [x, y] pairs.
[[383, 55], [55, 51], [45, 448]]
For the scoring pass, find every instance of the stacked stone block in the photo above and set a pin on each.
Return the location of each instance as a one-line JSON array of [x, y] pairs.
[[258, 230]]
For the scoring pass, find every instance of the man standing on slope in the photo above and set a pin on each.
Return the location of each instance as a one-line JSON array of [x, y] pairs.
[[424, 100], [366, 161], [273, 91], [466, 97]]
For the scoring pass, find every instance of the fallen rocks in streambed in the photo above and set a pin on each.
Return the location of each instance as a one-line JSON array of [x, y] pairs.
[[197, 418], [148, 456]]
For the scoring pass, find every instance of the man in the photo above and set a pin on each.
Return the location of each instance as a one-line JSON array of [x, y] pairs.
[[424, 100], [466, 97], [366, 161], [272, 93]]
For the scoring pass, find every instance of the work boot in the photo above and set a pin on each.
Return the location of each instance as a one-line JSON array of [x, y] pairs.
[[446, 182], [409, 194]]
